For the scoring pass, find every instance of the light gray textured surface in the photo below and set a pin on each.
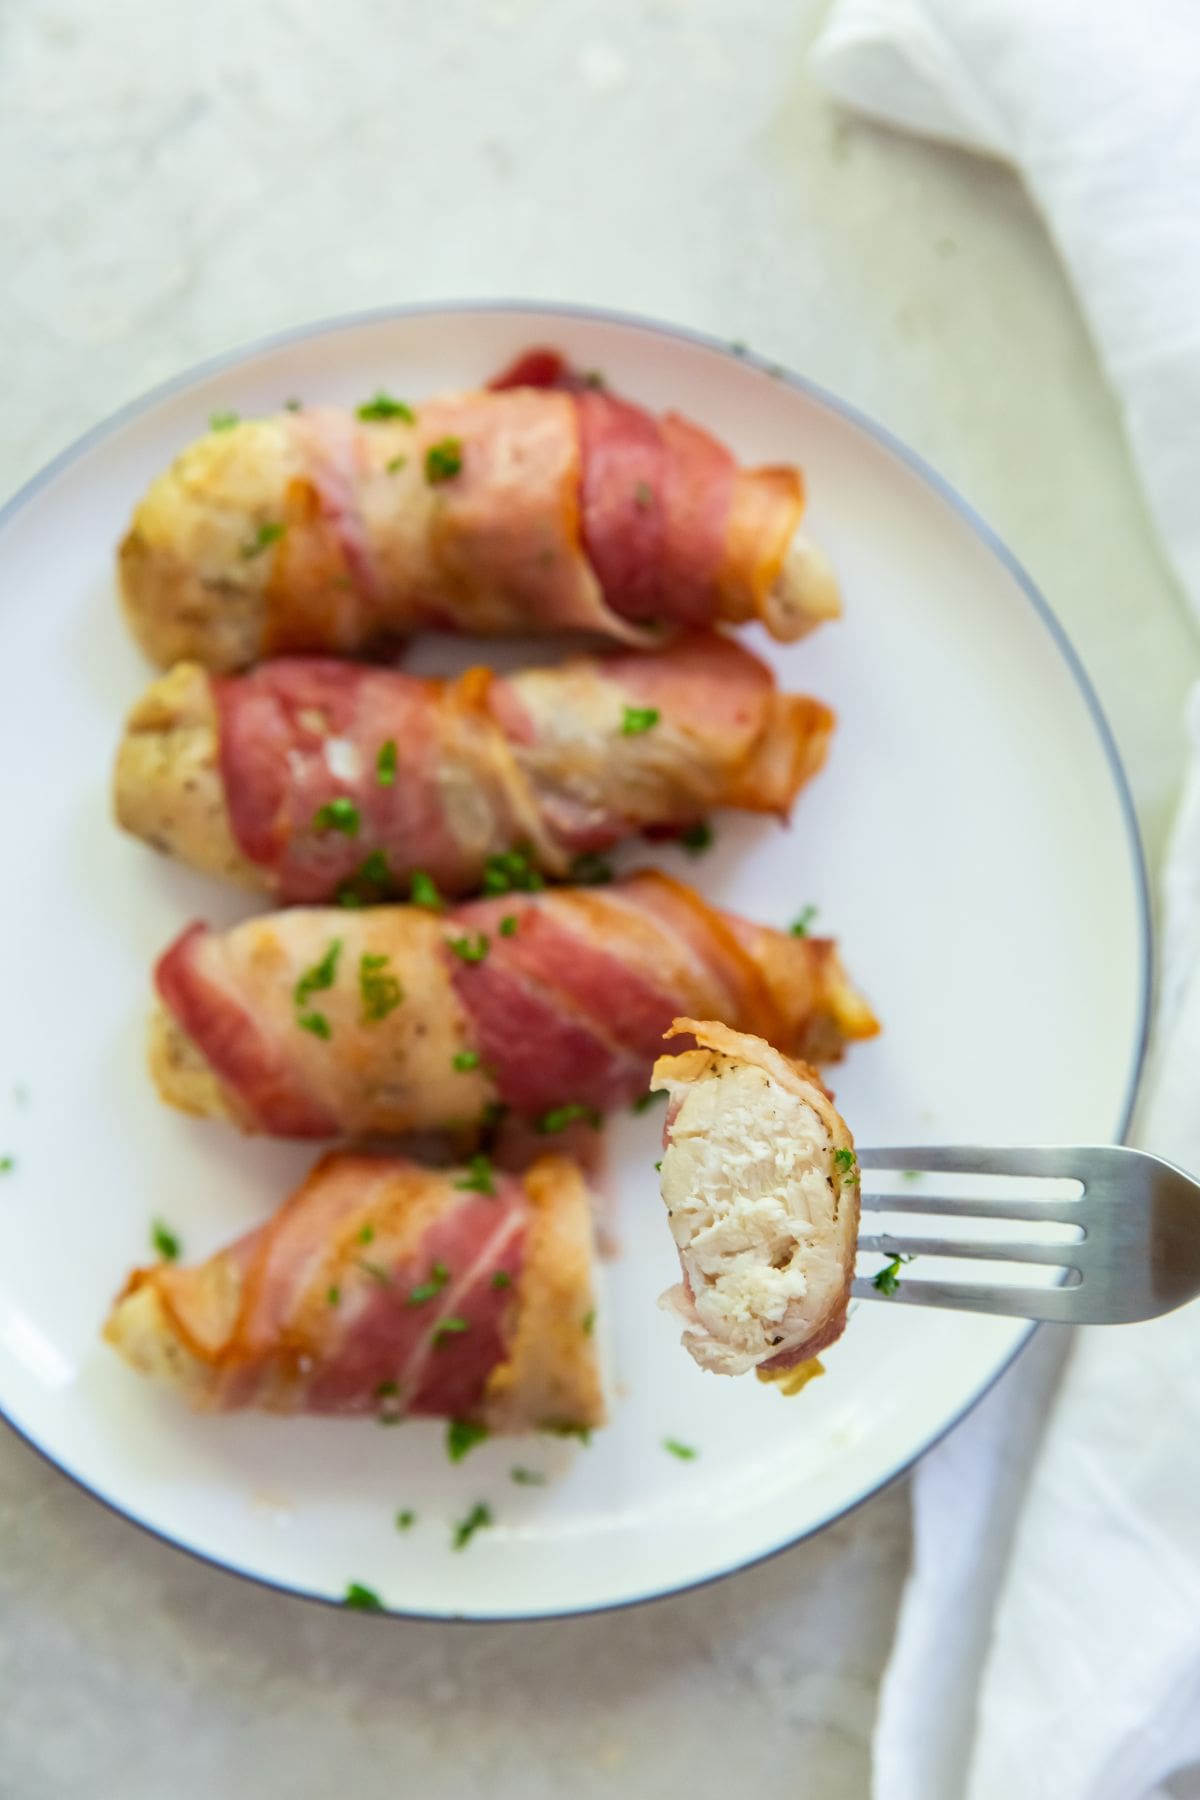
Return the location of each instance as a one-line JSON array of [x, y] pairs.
[[176, 180]]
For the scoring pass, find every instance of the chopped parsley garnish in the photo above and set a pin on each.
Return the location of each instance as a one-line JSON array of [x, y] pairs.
[[846, 1164], [463, 1435], [405, 1519], [222, 421], [739, 347], [501, 1279], [470, 949], [367, 1235], [684, 1452], [394, 464], [387, 1390], [362, 1599], [591, 870], [478, 1178], [373, 872], [449, 1327], [333, 1296], [888, 1278], [384, 407], [385, 764], [293, 405], [638, 719], [339, 814], [911, 1174], [317, 1023], [589, 1322], [559, 1117], [380, 994], [800, 925], [443, 459], [643, 495], [582, 1432], [322, 975], [7, 1165], [264, 537], [375, 1270], [644, 1102], [479, 1516], [511, 871], [439, 1275], [464, 1060], [658, 1164], [422, 891], [697, 838], [527, 1477], [508, 925], [165, 1241], [593, 378]]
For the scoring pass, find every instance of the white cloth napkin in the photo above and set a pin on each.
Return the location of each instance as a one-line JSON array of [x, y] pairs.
[[1049, 1642], [1097, 103]]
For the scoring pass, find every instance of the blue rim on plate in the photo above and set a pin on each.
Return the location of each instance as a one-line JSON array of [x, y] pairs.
[[982, 530]]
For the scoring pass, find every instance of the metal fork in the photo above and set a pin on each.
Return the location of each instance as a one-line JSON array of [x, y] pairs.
[[1138, 1257]]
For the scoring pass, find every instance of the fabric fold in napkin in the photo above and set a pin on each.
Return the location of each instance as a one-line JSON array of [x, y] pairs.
[[1097, 104], [1049, 1641]]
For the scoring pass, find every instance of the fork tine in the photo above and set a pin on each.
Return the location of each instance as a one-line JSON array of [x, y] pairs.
[[949, 1206], [970, 1159], [1059, 1256], [1054, 1304]]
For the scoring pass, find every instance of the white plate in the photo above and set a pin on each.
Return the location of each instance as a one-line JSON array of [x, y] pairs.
[[971, 843]]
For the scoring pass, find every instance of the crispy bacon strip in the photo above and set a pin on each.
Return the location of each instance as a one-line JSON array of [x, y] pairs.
[[537, 505], [385, 1288], [396, 1019], [311, 778]]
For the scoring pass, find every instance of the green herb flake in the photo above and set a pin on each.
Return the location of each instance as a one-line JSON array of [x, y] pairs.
[[846, 1164], [380, 993], [264, 537], [591, 870], [222, 421], [470, 949], [423, 891], [739, 347], [339, 814], [582, 1432], [322, 975], [394, 464], [165, 1241], [449, 1327], [684, 1452], [443, 460], [479, 1516], [637, 719], [293, 405], [478, 1178], [644, 1102], [527, 1477], [439, 1275], [888, 1278], [405, 1519], [7, 1165], [387, 1390], [589, 1322], [800, 924], [385, 764], [643, 495], [658, 1164], [593, 378], [361, 1599], [697, 838], [317, 1023], [501, 1279], [384, 407], [508, 925], [375, 1270], [463, 1435], [333, 1296], [463, 1061], [559, 1117], [911, 1174], [512, 871], [367, 1235]]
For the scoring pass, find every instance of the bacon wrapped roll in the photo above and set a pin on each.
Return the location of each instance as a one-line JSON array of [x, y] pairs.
[[520, 510], [382, 1287], [395, 1019], [761, 1187], [311, 778]]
